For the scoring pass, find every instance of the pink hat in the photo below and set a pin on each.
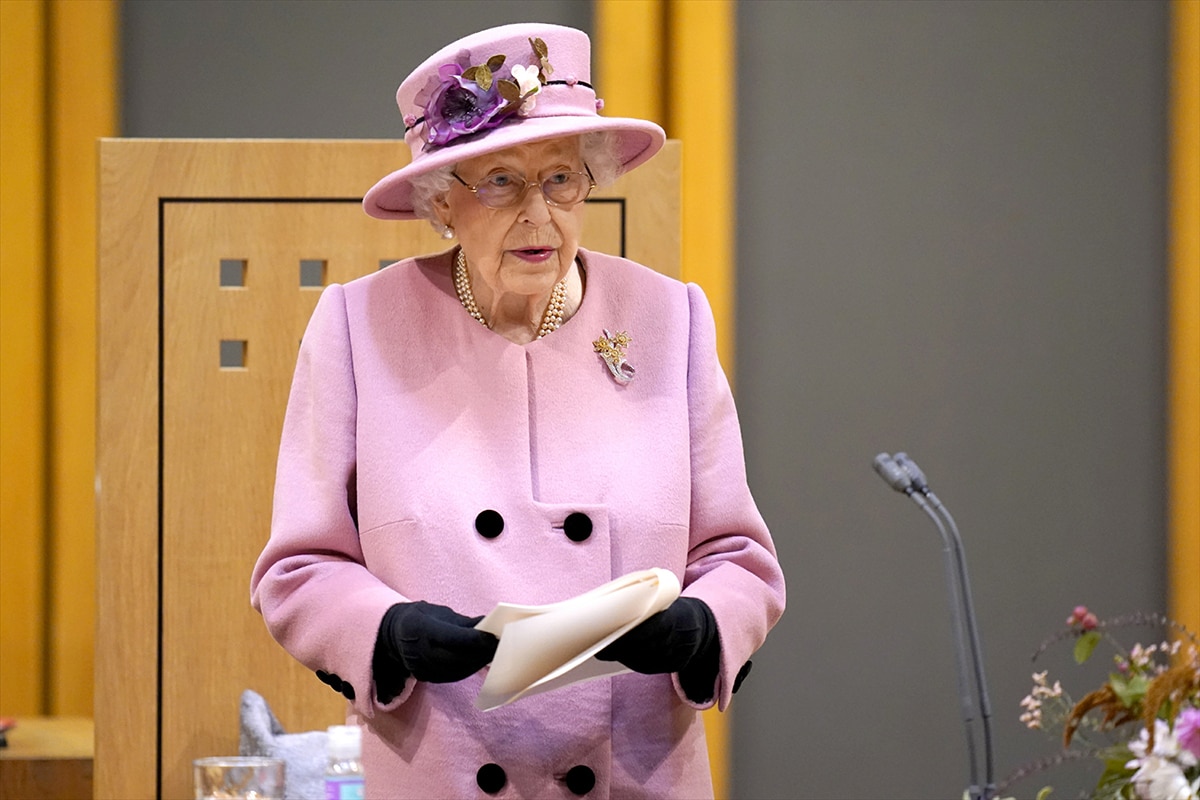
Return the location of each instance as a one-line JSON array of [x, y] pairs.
[[495, 89]]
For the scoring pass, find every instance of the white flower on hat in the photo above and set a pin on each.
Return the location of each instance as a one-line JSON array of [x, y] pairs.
[[528, 82]]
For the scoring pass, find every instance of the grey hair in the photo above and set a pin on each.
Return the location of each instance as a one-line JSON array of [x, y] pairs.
[[427, 189], [599, 150]]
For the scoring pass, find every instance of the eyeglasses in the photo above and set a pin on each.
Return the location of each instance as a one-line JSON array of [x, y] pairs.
[[505, 190]]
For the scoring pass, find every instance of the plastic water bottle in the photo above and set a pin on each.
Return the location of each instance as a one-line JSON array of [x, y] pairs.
[[343, 770]]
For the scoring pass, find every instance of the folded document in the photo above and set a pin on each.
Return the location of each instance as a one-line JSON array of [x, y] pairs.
[[548, 647]]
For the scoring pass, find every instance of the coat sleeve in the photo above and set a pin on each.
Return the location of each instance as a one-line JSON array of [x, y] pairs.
[[732, 565], [318, 599]]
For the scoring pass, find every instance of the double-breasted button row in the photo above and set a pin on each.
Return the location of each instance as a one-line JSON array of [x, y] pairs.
[[579, 779], [336, 683], [577, 526]]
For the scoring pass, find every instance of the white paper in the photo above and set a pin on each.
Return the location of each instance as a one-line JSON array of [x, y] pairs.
[[551, 646]]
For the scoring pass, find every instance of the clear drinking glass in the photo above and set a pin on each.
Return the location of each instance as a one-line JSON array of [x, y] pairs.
[[238, 778]]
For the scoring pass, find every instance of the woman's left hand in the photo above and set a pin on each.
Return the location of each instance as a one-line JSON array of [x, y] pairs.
[[669, 641]]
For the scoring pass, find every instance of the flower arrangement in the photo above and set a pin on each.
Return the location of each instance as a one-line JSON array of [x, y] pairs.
[[1142, 723], [467, 100]]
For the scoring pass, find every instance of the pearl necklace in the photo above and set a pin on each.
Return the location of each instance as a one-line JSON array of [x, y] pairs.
[[552, 317]]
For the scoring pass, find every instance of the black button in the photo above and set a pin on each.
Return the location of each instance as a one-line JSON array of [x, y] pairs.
[[323, 677], [741, 676], [491, 778], [577, 526], [489, 524], [580, 779], [347, 691]]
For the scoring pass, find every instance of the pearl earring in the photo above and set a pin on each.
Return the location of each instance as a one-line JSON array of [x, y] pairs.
[[447, 232]]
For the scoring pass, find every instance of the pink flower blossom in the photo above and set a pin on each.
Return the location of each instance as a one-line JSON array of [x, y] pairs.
[[1187, 730], [1082, 617]]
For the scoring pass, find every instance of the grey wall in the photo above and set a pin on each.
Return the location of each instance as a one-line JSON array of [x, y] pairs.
[[951, 225], [293, 68], [950, 233]]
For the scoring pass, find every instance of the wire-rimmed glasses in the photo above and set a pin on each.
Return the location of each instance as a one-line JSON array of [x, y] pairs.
[[505, 190]]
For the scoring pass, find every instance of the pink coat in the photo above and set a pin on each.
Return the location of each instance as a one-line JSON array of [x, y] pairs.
[[407, 419]]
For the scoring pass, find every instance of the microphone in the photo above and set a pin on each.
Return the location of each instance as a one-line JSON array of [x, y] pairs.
[[894, 474], [903, 475], [914, 473]]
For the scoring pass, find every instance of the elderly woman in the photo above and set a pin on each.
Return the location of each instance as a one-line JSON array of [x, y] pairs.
[[516, 419]]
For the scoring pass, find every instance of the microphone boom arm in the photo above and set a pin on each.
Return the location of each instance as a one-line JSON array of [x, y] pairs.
[[903, 475]]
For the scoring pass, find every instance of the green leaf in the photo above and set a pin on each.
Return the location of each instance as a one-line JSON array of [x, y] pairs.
[[1130, 690], [509, 90], [495, 63], [1085, 645], [1045, 792], [1115, 774]]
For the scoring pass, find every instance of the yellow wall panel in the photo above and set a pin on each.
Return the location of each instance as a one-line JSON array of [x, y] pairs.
[[704, 32], [58, 96], [22, 356], [1183, 391], [630, 53], [645, 50], [82, 110]]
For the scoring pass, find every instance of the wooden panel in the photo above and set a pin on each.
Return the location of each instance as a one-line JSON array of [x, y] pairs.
[[185, 496], [220, 439], [47, 759], [126, 680], [651, 214], [22, 357]]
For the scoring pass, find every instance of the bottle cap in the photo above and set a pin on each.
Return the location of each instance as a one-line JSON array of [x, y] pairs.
[[345, 742]]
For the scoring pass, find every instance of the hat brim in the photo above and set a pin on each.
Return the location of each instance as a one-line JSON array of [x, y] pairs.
[[638, 140]]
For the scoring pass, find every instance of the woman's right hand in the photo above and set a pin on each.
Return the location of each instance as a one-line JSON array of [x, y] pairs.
[[433, 643]]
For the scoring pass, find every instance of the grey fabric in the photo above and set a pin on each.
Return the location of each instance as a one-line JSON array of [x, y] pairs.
[[303, 754]]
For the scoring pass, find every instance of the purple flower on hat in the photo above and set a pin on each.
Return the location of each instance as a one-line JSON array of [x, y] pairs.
[[460, 106], [462, 101]]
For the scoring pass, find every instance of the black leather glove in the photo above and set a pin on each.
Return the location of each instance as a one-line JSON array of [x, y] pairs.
[[429, 642], [682, 638]]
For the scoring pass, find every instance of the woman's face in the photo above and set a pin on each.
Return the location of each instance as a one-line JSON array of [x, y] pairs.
[[527, 248]]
